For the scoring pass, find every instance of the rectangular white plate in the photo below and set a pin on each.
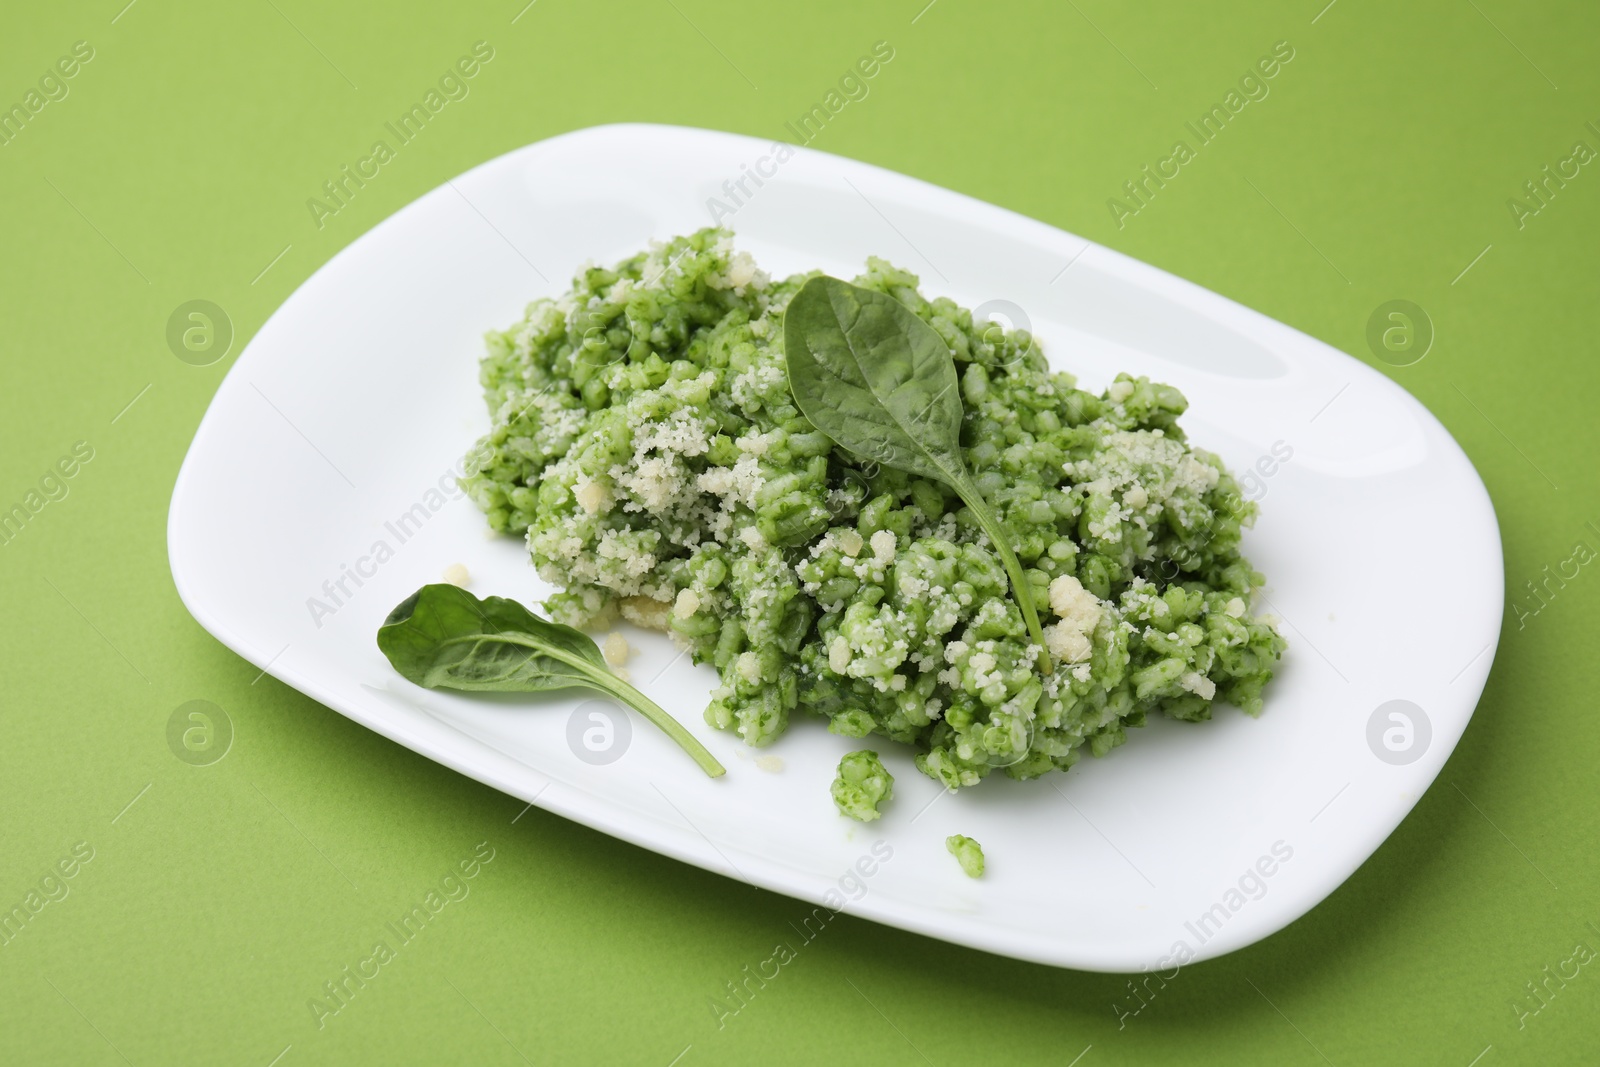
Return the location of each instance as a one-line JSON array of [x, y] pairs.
[[350, 407]]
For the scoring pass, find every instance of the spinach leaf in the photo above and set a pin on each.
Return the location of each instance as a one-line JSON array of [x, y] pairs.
[[878, 380], [442, 636]]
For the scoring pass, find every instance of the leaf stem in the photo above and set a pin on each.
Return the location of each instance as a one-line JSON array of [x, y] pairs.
[[1008, 558], [670, 726], [607, 682]]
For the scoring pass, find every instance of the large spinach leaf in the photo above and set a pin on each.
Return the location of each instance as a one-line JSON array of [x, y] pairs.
[[878, 380]]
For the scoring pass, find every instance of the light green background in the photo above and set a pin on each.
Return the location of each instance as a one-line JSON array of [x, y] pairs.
[[220, 901]]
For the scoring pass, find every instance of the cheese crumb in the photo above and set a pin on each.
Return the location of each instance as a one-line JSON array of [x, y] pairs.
[[615, 649], [1066, 643], [1199, 685], [456, 574], [742, 270], [850, 542], [687, 604], [1236, 608], [1079, 611], [839, 654], [1071, 601], [883, 543], [1119, 392], [754, 444], [591, 496], [645, 611]]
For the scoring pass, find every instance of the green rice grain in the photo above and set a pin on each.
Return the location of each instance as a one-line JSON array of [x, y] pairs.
[[967, 852]]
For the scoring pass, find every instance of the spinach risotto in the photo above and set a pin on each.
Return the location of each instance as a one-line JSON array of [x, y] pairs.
[[649, 444]]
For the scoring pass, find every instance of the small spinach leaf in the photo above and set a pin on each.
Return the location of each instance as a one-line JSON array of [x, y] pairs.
[[442, 636], [878, 380]]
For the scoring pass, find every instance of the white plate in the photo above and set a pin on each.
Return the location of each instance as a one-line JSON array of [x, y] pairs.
[[1377, 537]]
